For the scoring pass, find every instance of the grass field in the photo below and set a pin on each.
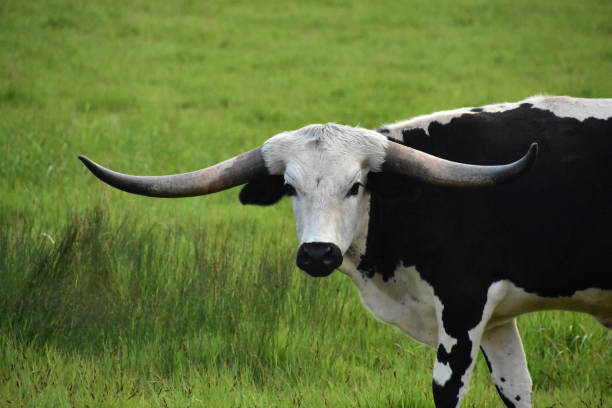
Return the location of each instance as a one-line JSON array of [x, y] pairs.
[[108, 299]]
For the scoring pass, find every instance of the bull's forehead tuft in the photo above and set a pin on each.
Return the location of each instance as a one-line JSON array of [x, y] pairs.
[[334, 141], [325, 132]]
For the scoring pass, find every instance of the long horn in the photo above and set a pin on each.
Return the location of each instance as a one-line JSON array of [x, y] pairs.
[[230, 173], [431, 169]]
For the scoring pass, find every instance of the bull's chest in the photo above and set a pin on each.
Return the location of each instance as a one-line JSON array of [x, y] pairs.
[[405, 301]]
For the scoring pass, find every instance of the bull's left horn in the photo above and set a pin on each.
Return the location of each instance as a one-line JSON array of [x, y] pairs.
[[227, 174], [431, 169]]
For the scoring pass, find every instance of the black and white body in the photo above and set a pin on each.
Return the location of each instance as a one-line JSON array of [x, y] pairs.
[[448, 252]]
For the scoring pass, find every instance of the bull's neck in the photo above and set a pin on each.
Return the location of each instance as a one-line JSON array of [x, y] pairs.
[[382, 241]]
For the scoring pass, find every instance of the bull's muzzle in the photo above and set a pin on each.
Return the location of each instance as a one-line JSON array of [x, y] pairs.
[[319, 258]]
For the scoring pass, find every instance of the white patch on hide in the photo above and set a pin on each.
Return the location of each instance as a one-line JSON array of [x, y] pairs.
[[517, 301], [569, 107], [405, 301], [444, 117], [441, 373]]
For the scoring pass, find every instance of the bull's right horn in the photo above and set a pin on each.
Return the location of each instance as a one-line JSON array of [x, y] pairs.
[[227, 174], [434, 170]]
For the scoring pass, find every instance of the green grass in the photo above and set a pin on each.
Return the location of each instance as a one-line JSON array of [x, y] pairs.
[[117, 300], [140, 313]]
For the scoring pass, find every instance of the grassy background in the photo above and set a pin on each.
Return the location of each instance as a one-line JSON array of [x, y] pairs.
[[117, 300]]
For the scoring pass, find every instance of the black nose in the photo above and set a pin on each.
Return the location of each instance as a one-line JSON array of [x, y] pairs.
[[319, 258]]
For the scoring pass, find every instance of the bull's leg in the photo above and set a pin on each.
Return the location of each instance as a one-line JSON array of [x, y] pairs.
[[505, 356], [461, 325], [453, 369], [457, 352]]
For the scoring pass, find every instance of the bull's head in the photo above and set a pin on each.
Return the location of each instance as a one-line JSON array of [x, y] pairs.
[[324, 169]]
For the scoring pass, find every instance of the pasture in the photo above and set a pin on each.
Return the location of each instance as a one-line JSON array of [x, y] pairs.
[[109, 299]]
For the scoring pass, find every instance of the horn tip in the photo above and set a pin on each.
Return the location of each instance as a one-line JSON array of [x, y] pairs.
[[90, 164], [86, 161]]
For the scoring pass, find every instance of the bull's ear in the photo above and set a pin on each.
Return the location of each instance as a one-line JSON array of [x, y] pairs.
[[391, 185], [263, 190]]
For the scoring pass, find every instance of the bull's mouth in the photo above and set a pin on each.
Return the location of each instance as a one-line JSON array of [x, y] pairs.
[[319, 259]]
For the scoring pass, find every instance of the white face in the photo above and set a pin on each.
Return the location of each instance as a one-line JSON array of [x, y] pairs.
[[325, 168], [328, 207]]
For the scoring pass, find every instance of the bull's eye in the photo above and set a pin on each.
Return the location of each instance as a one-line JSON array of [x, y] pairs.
[[354, 190], [289, 189]]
